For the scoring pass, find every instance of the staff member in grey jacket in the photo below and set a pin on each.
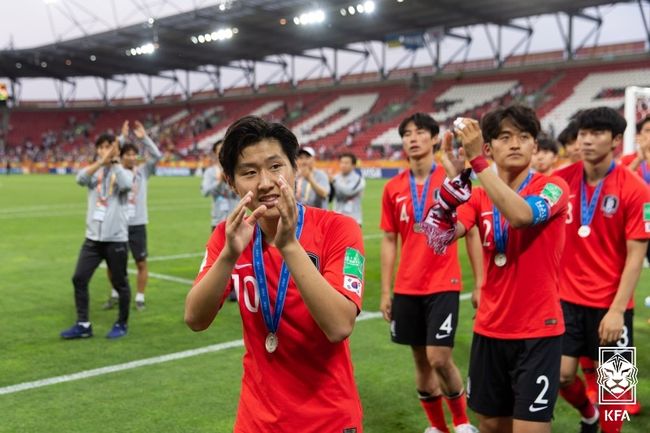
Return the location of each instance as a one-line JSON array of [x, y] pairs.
[[312, 184], [137, 205], [348, 188], [108, 186], [224, 198]]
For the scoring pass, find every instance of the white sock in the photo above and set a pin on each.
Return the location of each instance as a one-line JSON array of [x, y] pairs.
[[114, 294], [139, 297], [593, 419], [84, 324]]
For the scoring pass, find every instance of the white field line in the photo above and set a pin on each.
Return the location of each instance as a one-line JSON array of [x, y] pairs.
[[366, 315]]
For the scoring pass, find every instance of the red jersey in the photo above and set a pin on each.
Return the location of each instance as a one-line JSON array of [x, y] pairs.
[[420, 271], [592, 266], [307, 384], [521, 299], [643, 170]]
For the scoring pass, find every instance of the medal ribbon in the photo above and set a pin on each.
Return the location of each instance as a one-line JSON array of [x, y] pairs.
[[501, 233], [101, 185], [587, 210], [645, 171], [419, 202], [272, 322]]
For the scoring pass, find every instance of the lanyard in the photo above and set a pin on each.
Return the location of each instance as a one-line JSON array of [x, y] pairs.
[[101, 184], [501, 233], [272, 322], [587, 210], [419, 202], [645, 171]]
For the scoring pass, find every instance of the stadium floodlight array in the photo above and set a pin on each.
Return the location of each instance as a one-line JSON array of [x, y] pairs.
[[366, 7], [316, 16], [148, 48], [217, 35]]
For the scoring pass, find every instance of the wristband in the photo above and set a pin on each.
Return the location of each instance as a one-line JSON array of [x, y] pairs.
[[479, 164]]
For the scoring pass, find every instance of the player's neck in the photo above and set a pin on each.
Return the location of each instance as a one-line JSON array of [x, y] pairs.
[[513, 178], [595, 172], [269, 227], [421, 167]]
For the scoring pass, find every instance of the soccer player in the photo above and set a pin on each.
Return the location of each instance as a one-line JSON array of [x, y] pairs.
[[137, 206], [516, 349], [348, 187], [423, 312], [568, 138], [299, 274], [607, 230], [214, 185], [312, 184], [108, 186], [546, 156]]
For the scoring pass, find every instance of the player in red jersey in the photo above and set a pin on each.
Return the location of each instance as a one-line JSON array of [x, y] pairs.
[[423, 313], [608, 226], [568, 138], [305, 263], [516, 349]]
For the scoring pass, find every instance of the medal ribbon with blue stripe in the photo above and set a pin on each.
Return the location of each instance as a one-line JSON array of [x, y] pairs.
[[419, 202], [501, 233], [587, 210], [645, 172], [272, 322]]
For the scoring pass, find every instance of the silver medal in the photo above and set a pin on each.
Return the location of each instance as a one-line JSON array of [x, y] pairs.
[[271, 342], [584, 231], [500, 260], [417, 228]]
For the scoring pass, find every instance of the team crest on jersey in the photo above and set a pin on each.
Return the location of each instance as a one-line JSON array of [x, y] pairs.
[[610, 205], [314, 259]]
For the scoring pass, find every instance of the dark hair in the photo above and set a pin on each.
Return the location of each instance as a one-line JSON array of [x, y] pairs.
[[421, 121], [216, 144], [352, 157], [602, 119], [104, 137], [248, 131], [568, 134], [523, 118], [547, 143], [126, 147], [642, 122]]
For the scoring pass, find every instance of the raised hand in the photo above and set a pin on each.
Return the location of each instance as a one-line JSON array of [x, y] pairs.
[[240, 228], [456, 191], [125, 129], [469, 133], [139, 130], [285, 234], [452, 162]]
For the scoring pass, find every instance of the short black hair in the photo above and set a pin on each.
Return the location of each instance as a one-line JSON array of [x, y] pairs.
[[568, 134], [250, 130], [421, 121], [547, 143], [522, 117], [602, 119], [216, 144], [352, 157], [641, 123], [127, 147], [104, 137]]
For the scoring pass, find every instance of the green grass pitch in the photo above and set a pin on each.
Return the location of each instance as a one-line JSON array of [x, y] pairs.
[[42, 226]]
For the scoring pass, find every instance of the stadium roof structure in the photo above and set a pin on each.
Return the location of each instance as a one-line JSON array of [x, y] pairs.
[[260, 35]]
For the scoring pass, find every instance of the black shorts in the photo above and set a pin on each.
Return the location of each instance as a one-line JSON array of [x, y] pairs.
[[514, 378], [427, 320], [581, 335], [138, 242]]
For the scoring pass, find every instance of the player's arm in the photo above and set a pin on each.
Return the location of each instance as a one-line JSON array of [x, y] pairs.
[[152, 151], [388, 256], [475, 254], [518, 211], [204, 299], [85, 175], [321, 186], [611, 326], [334, 313]]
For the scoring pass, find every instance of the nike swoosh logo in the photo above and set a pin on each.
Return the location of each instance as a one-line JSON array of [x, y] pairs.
[[245, 265], [536, 409], [441, 336], [400, 199]]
